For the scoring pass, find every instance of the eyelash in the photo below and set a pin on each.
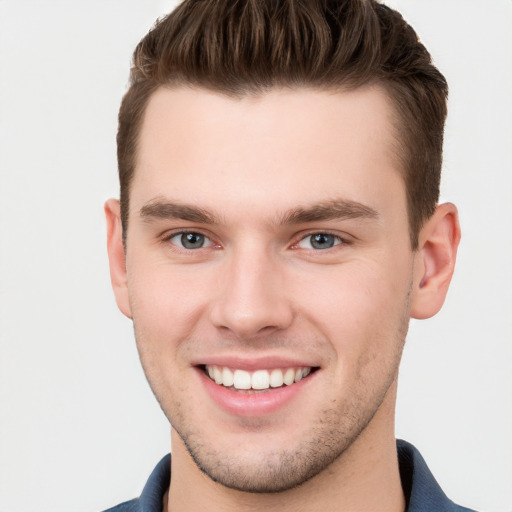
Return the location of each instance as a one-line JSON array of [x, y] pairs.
[[168, 239], [338, 240]]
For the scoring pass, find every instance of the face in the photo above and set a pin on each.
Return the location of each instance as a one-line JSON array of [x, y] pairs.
[[269, 275]]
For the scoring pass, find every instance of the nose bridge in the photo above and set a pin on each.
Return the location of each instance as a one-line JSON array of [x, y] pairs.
[[251, 296]]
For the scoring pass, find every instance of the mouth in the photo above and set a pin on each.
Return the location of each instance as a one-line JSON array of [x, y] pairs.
[[259, 380]]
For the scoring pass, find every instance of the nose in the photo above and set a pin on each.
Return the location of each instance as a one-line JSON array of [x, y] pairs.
[[252, 297]]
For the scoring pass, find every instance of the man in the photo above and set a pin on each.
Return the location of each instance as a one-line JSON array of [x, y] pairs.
[[278, 226]]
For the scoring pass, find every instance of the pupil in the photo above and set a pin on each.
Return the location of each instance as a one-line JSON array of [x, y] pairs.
[[192, 240], [322, 241]]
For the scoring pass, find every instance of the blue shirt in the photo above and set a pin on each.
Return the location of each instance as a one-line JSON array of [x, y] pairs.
[[422, 492]]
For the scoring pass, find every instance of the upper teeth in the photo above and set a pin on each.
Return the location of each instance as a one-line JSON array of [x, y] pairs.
[[259, 379]]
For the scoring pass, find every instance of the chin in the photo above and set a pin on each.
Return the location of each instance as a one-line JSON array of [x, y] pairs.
[[264, 471], [262, 463]]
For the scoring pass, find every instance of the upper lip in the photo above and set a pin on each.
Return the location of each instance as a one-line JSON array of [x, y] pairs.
[[254, 363]]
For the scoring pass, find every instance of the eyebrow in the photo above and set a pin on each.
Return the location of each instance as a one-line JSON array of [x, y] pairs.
[[325, 210], [329, 210], [162, 209]]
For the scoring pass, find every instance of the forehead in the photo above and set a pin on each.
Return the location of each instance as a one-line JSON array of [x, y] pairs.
[[277, 148]]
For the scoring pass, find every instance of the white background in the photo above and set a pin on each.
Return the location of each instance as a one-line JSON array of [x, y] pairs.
[[79, 428]]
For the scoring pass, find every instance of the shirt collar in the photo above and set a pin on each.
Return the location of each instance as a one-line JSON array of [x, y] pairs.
[[421, 490]]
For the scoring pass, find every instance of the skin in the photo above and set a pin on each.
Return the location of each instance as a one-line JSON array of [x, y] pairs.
[[247, 169]]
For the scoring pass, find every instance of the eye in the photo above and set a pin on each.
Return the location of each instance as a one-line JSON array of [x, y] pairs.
[[319, 241], [190, 240]]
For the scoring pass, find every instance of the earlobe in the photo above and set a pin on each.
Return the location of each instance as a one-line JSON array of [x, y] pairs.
[[435, 261], [116, 256]]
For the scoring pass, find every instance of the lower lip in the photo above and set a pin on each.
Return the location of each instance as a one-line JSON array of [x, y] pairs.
[[252, 404]]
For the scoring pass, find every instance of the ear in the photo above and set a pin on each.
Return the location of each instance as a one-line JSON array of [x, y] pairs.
[[116, 256], [435, 261]]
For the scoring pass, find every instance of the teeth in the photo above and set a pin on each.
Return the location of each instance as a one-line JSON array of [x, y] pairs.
[[227, 377], [242, 379], [260, 379], [289, 376], [276, 378], [217, 375]]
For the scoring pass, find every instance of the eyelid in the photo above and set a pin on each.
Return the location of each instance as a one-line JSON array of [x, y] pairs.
[[169, 235], [166, 237], [342, 237]]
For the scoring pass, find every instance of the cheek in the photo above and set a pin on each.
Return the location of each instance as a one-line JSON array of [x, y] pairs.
[[366, 323], [165, 308], [364, 308], [167, 301]]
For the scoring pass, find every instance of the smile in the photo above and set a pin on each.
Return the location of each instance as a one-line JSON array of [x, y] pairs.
[[257, 380]]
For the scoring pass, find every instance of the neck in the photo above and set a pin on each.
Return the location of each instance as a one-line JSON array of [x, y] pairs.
[[365, 477]]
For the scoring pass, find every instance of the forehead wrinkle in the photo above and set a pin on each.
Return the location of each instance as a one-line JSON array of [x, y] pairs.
[[161, 208], [328, 210]]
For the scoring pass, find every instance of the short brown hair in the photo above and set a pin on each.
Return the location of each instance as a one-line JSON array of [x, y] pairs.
[[240, 47]]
